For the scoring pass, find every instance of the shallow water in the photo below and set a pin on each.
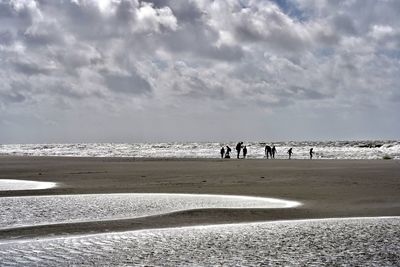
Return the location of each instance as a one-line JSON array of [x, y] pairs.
[[10, 184], [339, 242], [326, 242], [40, 210]]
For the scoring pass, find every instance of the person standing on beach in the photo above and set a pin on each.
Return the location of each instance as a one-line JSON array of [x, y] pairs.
[[311, 153], [222, 152], [238, 148], [244, 152], [268, 151], [290, 152], [273, 151], [228, 151]]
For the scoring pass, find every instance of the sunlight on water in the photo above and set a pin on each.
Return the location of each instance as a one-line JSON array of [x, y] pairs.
[[93, 207], [349, 242], [10, 184], [322, 149]]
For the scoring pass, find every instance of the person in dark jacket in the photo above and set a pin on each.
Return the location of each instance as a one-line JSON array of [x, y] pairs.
[[273, 151], [227, 152], [244, 152], [290, 152], [268, 151], [238, 148]]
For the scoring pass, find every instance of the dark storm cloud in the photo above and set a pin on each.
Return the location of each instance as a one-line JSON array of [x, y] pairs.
[[344, 24], [29, 68], [196, 88], [129, 84]]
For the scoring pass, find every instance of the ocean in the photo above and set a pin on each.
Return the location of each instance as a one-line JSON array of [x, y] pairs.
[[322, 149]]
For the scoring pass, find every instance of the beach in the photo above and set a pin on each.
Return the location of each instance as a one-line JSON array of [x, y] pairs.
[[326, 188]]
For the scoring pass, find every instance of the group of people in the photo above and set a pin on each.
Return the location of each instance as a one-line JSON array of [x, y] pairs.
[[272, 152], [226, 153], [269, 151]]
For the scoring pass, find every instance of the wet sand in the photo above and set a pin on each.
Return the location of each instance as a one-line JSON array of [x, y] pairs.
[[327, 188]]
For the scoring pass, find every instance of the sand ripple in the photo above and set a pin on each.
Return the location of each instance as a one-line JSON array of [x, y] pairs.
[[41, 210], [344, 242]]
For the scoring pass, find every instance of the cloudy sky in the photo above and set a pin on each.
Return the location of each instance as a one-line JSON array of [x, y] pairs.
[[199, 70]]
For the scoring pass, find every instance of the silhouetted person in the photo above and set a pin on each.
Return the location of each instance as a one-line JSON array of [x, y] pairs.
[[311, 153], [244, 152], [268, 151], [273, 152], [227, 153], [222, 152], [238, 148], [290, 152]]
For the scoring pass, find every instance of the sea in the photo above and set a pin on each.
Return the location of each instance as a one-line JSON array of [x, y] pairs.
[[370, 149]]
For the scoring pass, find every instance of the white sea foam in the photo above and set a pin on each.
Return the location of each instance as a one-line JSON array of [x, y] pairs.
[[11, 184], [323, 150], [42, 210]]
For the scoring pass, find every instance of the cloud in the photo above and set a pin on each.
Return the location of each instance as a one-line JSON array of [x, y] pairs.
[[197, 57], [130, 83]]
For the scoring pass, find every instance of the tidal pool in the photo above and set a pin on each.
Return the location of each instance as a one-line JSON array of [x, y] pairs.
[[12, 184]]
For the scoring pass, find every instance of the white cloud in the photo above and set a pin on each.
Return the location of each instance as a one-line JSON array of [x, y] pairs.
[[150, 19]]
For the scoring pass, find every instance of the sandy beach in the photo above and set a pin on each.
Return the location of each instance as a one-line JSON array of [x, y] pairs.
[[327, 188]]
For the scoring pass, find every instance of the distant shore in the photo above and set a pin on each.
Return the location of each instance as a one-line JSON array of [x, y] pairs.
[[327, 188]]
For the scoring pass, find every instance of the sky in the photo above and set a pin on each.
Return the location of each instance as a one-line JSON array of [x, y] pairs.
[[198, 70]]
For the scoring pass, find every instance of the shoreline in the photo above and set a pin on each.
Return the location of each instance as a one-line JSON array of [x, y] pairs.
[[118, 158], [326, 188]]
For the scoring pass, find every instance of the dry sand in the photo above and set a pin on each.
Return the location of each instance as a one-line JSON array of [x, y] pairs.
[[327, 188]]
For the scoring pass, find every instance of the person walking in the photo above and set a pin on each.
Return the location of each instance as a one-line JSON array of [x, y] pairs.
[[273, 151], [244, 152], [222, 152], [290, 152], [311, 153], [268, 151]]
